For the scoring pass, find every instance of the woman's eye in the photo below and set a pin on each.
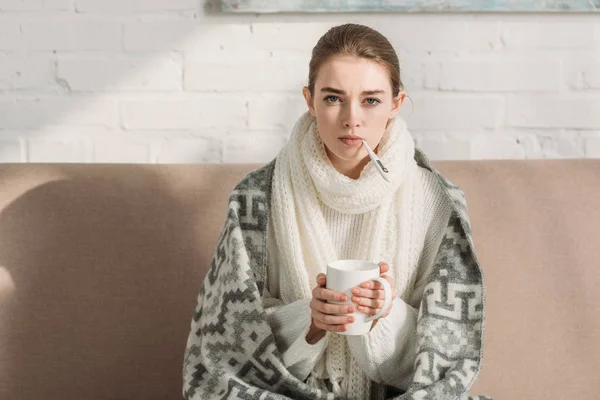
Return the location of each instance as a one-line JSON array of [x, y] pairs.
[[331, 99], [372, 101]]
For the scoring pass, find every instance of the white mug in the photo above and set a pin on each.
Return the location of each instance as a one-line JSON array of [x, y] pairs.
[[343, 276]]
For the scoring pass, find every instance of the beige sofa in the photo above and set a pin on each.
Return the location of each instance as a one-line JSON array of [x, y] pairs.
[[100, 266]]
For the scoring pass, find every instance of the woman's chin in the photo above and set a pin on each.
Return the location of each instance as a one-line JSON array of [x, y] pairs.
[[349, 155], [344, 153]]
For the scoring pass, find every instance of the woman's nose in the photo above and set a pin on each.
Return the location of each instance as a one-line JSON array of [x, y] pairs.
[[352, 118]]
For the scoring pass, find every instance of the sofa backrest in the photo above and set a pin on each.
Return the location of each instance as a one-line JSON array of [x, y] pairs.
[[100, 266]]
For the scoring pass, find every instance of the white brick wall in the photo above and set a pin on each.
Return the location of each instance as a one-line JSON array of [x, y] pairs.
[[174, 81]]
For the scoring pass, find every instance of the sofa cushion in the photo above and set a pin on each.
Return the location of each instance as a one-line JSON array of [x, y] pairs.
[[100, 266]]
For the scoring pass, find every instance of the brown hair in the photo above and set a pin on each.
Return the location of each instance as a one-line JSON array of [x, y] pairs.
[[355, 40]]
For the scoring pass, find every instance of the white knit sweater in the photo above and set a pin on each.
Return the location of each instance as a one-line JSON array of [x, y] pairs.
[[386, 353]]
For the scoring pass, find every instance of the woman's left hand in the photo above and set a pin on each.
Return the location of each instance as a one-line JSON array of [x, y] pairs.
[[370, 295]]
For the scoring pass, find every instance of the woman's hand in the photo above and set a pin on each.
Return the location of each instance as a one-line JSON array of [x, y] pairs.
[[326, 317], [369, 297]]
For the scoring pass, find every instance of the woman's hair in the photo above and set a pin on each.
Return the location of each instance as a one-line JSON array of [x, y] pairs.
[[355, 40]]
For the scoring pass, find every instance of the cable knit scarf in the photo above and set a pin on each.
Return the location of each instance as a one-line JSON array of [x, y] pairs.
[[303, 175]]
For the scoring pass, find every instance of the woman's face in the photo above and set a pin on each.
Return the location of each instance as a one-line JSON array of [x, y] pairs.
[[352, 100]]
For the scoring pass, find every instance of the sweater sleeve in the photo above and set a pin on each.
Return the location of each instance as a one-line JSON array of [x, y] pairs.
[[290, 324], [387, 352]]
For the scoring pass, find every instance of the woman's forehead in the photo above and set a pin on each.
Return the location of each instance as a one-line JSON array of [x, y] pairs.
[[353, 74]]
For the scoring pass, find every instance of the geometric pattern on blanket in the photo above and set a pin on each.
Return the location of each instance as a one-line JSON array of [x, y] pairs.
[[449, 321], [231, 351], [233, 344]]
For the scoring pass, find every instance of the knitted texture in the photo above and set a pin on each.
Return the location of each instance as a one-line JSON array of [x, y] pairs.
[[304, 177], [393, 339], [345, 232], [231, 351]]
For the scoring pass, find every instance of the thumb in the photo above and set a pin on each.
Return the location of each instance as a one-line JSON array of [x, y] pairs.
[[321, 279], [383, 267]]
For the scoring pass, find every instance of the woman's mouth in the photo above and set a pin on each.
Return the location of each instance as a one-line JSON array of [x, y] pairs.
[[352, 141]]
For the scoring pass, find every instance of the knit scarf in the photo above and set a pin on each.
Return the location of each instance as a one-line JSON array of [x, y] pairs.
[[303, 176]]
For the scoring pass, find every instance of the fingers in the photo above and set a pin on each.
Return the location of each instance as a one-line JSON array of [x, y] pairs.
[[368, 293], [329, 322], [375, 285], [327, 316], [321, 280], [370, 296], [373, 311], [329, 295], [383, 267], [372, 285], [370, 303], [330, 328], [368, 310], [328, 308]]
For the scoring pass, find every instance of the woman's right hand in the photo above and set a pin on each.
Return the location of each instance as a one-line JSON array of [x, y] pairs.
[[327, 317]]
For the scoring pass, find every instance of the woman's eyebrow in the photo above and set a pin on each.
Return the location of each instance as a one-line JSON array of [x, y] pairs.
[[339, 91]]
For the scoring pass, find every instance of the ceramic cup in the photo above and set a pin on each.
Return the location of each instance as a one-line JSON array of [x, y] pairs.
[[343, 275]]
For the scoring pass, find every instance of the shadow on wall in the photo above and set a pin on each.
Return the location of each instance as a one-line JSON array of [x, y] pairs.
[[112, 83], [105, 270], [66, 86]]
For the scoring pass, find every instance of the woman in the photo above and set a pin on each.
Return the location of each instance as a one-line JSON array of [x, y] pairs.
[[261, 330]]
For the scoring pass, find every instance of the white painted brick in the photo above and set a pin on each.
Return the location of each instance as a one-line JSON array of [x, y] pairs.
[[302, 36], [122, 6], [583, 73], [495, 75], [443, 112], [453, 35], [444, 149], [257, 66], [531, 144], [192, 151], [156, 73], [275, 111], [565, 145], [554, 111], [35, 5], [219, 111], [494, 146], [592, 147], [10, 35], [257, 74], [29, 72], [71, 34], [56, 130], [188, 36], [111, 149], [157, 35], [551, 144], [96, 112], [58, 5], [412, 75], [10, 151], [35, 114], [549, 34], [253, 146], [210, 40], [54, 150]]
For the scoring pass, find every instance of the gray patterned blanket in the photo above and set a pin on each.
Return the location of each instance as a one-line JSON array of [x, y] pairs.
[[231, 351]]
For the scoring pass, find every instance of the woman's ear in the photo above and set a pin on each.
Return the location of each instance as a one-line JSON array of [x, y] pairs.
[[309, 100], [397, 103]]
